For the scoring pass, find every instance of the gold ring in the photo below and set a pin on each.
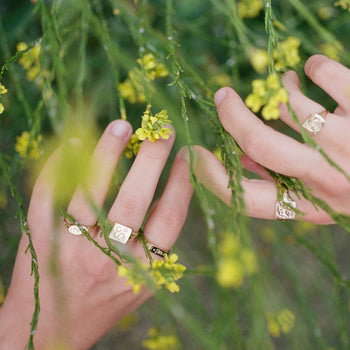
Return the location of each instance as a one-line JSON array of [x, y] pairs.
[[155, 250], [315, 122], [121, 233], [75, 228], [284, 208]]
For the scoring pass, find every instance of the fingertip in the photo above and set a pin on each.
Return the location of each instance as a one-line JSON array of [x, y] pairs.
[[222, 94], [188, 156], [290, 77], [120, 128], [312, 61]]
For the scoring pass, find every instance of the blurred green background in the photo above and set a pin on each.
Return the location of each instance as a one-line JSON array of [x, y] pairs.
[[297, 297]]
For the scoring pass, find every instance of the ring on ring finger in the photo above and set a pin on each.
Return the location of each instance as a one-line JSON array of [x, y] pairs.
[[315, 121]]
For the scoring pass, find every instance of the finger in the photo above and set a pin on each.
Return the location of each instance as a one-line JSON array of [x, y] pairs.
[[40, 212], [260, 196], [166, 220], [137, 190], [103, 162], [254, 167], [335, 126], [332, 77], [261, 143]]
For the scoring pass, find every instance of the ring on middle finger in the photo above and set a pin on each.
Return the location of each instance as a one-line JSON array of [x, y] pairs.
[[315, 122], [121, 233]]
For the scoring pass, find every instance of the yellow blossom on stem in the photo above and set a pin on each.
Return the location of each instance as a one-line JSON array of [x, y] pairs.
[[267, 94], [287, 53], [132, 148], [154, 127], [152, 67], [162, 273], [249, 8], [282, 322], [259, 59], [3, 91], [30, 61], [235, 262], [27, 147], [344, 4], [157, 341]]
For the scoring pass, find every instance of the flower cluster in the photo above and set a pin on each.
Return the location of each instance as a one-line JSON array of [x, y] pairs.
[[287, 54], [3, 91], [132, 147], [162, 273], [167, 272], [154, 127], [282, 322], [249, 8], [30, 60], [132, 89], [267, 94], [344, 4], [27, 146], [152, 67], [332, 51], [157, 341], [135, 276], [234, 262]]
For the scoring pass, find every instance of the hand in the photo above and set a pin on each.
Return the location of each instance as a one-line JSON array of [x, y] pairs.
[[266, 147], [94, 296]]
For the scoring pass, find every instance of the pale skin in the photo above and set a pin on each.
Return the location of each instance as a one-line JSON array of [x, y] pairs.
[[92, 295], [266, 147]]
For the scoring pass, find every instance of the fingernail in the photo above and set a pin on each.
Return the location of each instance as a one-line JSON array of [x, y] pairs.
[[120, 128], [220, 96], [184, 154]]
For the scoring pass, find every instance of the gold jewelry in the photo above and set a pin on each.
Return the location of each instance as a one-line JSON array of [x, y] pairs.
[[153, 249], [74, 228], [284, 208], [315, 121], [121, 233]]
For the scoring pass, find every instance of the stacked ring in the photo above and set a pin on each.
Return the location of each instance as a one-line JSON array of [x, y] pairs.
[[153, 249], [75, 228]]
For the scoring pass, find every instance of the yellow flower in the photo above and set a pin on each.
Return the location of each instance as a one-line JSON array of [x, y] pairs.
[[287, 53], [166, 273], [332, 51], [220, 79], [326, 12], [345, 4], [230, 273], [228, 245], [3, 90], [153, 127], [286, 320], [280, 322], [30, 61], [254, 102], [250, 8], [132, 147], [152, 67], [132, 90], [259, 59], [267, 94], [156, 341], [234, 261], [2, 108], [28, 148]]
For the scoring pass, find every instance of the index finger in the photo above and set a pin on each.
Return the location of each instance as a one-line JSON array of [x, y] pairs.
[[261, 143]]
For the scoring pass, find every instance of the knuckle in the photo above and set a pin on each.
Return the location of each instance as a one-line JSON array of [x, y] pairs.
[[130, 204], [172, 218]]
